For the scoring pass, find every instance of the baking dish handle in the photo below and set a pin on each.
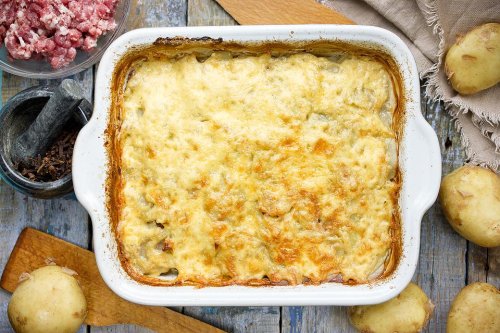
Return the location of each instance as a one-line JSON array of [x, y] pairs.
[[88, 172], [424, 165]]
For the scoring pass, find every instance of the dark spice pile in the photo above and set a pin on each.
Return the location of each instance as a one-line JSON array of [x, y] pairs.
[[57, 160]]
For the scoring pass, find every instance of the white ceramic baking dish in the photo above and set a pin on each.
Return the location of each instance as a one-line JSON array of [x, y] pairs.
[[420, 162]]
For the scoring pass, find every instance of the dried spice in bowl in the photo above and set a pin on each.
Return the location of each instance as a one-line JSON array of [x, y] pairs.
[[46, 176], [56, 163]]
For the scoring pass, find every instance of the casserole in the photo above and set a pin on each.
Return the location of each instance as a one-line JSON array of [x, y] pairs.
[[255, 164], [419, 162]]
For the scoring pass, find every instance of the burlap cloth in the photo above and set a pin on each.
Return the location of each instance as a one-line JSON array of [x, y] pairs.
[[429, 27]]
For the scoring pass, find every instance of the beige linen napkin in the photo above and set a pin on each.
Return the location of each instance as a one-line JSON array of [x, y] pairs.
[[429, 27]]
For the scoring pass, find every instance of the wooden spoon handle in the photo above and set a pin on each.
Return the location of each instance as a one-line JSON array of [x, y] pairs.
[[282, 12], [164, 320]]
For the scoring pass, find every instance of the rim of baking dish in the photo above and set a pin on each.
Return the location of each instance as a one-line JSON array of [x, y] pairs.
[[419, 159]]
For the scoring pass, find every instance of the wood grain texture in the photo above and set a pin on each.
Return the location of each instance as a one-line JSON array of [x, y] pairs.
[[282, 12], [32, 250], [207, 12], [477, 263], [320, 319], [236, 319], [64, 218], [12, 84], [493, 267], [442, 266], [157, 13]]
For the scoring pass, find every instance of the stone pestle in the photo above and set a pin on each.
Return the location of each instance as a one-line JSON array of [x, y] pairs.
[[49, 123]]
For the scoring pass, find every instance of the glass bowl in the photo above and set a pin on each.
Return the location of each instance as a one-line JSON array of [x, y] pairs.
[[41, 69]]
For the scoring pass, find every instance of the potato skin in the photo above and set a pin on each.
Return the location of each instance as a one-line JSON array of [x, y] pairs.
[[470, 199], [408, 312], [50, 300], [472, 64], [476, 308]]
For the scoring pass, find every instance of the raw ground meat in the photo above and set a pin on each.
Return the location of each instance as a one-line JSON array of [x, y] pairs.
[[54, 29]]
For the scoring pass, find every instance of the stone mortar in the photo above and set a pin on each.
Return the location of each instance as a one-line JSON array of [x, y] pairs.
[[15, 117]]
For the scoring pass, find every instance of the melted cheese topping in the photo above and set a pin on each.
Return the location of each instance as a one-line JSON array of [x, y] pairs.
[[258, 169]]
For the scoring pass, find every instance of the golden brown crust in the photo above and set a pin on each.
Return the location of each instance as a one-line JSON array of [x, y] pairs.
[[167, 47]]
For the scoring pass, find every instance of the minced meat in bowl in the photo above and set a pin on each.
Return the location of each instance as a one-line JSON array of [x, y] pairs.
[[56, 38]]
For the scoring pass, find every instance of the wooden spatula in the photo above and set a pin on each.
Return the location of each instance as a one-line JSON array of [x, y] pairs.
[[282, 12], [34, 248]]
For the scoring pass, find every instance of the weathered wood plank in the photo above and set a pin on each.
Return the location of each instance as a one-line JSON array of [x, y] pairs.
[[12, 84], [477, 263], [233, 319], [157, 13], [442, 269], [239, 319], [150, 13], [64, 218], [207, 12], [321, 319], [120, 328], [493, 266]]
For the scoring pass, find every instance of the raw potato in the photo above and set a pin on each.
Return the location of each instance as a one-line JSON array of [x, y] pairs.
[[472, 64], [475, 309], [48, 300], [408, 312], [470, 198]]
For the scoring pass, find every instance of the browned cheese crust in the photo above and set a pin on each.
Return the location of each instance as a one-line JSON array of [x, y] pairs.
[[255, 164]]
